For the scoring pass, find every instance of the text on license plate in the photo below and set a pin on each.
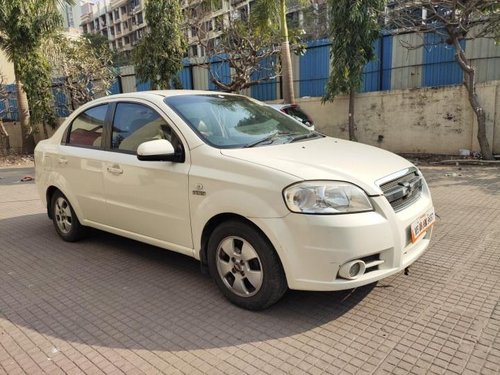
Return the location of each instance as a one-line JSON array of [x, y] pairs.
[[420, 226]]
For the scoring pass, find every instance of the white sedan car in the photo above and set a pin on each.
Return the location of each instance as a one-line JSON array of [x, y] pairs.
[[262, 201]]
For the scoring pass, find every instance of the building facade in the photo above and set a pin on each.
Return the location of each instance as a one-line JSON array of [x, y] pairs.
[[123, 22], [71, 15], [120, 21]]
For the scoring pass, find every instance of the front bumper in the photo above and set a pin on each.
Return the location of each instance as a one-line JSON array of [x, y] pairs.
[[312, 248]]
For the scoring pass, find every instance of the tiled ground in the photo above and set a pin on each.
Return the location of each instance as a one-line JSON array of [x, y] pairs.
[[111, 305]]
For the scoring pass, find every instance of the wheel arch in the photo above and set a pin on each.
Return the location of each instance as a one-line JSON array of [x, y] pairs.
[[223, 217], [49, 194]]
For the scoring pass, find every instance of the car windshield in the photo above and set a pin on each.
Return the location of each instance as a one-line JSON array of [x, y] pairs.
[[229, 121]]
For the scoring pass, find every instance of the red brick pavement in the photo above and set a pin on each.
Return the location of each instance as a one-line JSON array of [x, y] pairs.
[[111, 305]]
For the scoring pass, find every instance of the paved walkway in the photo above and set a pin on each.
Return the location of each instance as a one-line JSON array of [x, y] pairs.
[[112, 305]]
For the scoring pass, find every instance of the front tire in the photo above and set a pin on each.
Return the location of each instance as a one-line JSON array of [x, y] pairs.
[[245, 266], [64, 218]]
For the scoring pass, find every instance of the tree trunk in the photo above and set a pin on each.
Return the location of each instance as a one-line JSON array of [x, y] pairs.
[[5, 138], [28, 141], [286, 60], [45, 131], [470, 85], [352, 125]]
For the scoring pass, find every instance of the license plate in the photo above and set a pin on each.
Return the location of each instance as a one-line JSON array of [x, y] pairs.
[[420, 226]]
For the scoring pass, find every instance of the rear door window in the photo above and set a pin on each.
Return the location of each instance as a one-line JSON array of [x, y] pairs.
[[86, 129]]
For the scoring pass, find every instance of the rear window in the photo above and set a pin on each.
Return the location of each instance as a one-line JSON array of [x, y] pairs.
[[299, 113]]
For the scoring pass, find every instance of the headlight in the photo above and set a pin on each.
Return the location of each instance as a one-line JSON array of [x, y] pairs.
[[326, 197]]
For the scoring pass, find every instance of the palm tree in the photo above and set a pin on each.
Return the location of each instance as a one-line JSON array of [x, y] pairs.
[[23, 26], [267, 13]]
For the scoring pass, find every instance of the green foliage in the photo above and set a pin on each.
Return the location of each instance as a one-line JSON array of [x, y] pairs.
[[97, 42], [158, 56], [353, 29], [269, 13], [24, 25], [35, 74]]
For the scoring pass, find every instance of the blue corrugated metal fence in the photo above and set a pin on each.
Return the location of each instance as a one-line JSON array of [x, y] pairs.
[[440, 67]]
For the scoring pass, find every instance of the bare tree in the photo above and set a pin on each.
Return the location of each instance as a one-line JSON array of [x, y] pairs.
[[250, 52], [84, 72], [454, 21]]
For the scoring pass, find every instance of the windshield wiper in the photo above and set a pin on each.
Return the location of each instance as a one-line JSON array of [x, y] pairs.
[[306, 136], [271, 137]]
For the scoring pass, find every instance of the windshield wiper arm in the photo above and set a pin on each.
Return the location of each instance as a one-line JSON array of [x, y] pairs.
[[268, 138], [306, 136]]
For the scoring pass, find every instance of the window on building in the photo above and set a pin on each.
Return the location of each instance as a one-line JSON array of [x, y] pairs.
[[216, 5], [140, 18], [293, 19], [118, 28], [194, 31], [69, 16], [243, 13], [209, 25], [193, 51], [219, 23], [126, 40]]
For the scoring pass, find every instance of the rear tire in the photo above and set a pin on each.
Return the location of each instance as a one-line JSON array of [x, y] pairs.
[[64, 218], [245, 266]]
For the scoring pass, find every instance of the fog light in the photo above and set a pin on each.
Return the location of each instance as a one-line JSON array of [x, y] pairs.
[[352, 270]]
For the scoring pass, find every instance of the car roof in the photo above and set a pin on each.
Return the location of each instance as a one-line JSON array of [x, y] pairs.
[[165, 93], [152, 95]]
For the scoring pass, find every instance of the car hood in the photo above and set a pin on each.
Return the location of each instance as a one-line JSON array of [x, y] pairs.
[[326, 159]]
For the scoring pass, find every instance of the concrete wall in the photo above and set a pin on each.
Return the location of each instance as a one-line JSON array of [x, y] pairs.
[[429, 120], [14, 131]]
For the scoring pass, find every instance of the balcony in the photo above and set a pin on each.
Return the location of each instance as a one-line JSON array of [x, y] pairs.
[[117, 3]]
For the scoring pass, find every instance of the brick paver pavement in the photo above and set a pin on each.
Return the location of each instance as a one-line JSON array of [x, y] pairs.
[[112, 305]]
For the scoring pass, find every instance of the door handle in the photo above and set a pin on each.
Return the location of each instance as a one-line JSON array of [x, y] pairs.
[[115, 170], [62, 161]]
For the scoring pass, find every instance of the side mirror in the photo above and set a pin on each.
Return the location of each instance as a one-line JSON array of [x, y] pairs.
[[157, 150]]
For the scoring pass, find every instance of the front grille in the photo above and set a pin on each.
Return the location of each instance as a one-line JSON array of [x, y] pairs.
[[403, 191]]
